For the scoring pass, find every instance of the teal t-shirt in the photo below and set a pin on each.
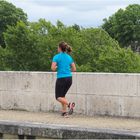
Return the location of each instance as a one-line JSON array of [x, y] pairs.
[[64, 62]]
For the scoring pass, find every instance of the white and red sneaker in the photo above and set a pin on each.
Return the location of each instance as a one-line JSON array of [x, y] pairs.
[[65, 115], [71, 107]]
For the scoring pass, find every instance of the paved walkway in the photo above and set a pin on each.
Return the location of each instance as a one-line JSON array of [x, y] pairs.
[[132, 125]]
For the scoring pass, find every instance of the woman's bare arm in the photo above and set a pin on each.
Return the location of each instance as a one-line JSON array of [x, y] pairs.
[[54, 66], [73, 67]]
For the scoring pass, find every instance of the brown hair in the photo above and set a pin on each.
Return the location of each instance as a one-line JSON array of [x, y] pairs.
[[65, 47]]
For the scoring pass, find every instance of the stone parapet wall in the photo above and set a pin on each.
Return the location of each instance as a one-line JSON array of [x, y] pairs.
[[112, 94]]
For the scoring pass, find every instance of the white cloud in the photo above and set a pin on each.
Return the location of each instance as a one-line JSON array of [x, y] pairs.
[[82, 12], [84, 5]]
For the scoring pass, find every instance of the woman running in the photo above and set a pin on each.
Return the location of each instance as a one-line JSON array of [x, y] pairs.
[[64, 64]]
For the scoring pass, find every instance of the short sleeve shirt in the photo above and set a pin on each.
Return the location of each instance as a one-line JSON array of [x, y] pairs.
[[64, 62]]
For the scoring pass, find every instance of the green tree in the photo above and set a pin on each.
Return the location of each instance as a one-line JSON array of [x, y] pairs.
[[32, 46], [105, 55], [118, 60], [124, 26], [9, 15], [22, 43]]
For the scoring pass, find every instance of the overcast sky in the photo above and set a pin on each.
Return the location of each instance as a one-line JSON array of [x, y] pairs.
[[86, 13]]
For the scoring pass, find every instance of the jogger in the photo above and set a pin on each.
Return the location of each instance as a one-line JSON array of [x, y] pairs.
[[64, 64]]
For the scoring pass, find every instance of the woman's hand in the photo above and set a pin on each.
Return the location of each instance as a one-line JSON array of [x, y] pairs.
[[54, 66], [73, 67]]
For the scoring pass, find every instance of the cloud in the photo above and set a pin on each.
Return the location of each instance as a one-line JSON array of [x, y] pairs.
[[83, 12], [84, 5]]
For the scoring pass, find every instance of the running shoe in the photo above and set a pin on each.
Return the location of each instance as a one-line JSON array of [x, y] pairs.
[[71, 108], [65, 114]]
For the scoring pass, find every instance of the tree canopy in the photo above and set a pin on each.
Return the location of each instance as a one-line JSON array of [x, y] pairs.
[[124, 26], [9, 15], [32, 46]]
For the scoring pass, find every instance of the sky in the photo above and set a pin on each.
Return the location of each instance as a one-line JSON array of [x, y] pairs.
[[86, 13]]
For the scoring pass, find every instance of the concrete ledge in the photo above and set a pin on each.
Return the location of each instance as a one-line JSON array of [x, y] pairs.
[[111, 94], [33, 130]]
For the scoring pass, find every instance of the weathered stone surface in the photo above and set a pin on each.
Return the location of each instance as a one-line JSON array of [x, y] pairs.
[[138, 85], [103, 105], [131, 106], [7, 136], [80, 102], [73, 88], [66, 132], [94, 93], [107, 84]]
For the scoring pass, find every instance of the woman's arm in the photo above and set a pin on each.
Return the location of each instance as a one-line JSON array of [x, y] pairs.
[[54, 66], [73, 67]]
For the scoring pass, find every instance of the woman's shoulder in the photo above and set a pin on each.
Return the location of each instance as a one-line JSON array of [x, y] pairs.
[[69, 55], [56, 55]]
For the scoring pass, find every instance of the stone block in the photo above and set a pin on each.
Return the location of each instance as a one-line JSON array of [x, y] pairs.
[[80, 101], [138, 85], [131, 106], [7, 81], [73, 88], [107, 84], [7, 99], [46, 82], [103, 105]]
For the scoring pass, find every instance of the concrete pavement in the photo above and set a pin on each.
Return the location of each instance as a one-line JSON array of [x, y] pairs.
[[22, 124], [74, 120]]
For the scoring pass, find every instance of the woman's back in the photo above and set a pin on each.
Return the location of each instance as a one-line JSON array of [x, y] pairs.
[[64, 62]]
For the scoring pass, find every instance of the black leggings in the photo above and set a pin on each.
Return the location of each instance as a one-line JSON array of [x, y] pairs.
[[62, 86]]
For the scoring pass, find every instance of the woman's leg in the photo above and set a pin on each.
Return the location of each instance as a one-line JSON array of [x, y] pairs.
[[66, 85], [64, 103], [64, 108], [63, 100], [62, 86]]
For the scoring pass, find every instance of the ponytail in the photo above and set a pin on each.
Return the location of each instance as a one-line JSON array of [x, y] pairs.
[[65, 47], [69, 49]]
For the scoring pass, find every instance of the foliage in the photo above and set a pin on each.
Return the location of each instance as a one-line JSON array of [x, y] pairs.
[[124, 26], [9, 15], [32, 46]]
